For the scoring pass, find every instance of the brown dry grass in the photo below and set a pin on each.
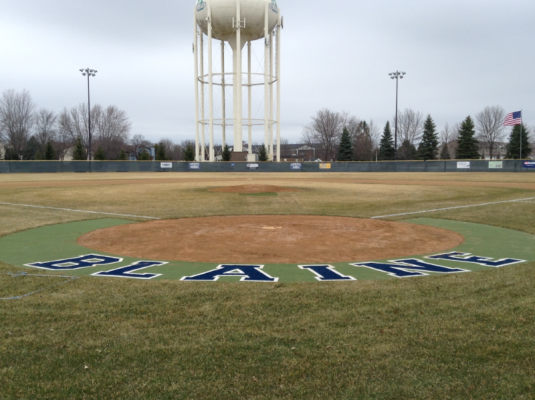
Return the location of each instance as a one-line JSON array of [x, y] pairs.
[[192, 199], [205, 176]]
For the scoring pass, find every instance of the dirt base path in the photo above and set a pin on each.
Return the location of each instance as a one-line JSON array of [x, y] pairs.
[[264, 239]]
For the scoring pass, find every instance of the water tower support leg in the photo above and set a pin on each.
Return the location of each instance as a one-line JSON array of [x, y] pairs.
[[203, 147], [279, 90], [249, 100], [266, 89], [195, 54], [238, 145], [224, 118], [271, 96], [210, 86]]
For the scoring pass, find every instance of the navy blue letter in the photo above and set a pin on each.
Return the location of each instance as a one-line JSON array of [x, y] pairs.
[[408, 268], [126, 272], [467, 258], [327, 273], [249, 273], [89, 260]]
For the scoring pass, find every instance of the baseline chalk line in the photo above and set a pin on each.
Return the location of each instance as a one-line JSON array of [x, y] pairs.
[[454, 208], [78, 211]]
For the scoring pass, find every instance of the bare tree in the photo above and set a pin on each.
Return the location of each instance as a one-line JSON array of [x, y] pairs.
[[454, 144], [410, 126], [352, 124], [446, 135], [16, 119], [63, 135], [138, 143], [45, 128], [325, 129], [78, 124], [375, 133], [490, 126], [72, 124], [111, 129]]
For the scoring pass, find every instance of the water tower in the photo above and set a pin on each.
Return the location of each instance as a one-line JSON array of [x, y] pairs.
[[236, 23]]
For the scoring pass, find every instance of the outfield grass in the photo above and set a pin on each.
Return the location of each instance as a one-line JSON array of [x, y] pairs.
[[452, 337]]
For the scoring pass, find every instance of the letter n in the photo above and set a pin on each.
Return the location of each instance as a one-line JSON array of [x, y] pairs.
[[408, 268]]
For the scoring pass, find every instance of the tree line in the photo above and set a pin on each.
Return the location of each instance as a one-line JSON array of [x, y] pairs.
[[29, 133], [344, 137]]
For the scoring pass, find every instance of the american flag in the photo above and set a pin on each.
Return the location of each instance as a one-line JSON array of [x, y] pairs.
[[514, 118]]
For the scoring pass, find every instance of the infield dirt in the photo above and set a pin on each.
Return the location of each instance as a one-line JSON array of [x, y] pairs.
[[270, 239], [255, 189]]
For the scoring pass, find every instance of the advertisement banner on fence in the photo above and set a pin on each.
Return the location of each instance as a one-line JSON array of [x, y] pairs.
[[194, 165], [529, 164], [252, 166], [166, 165], [296, 166], [495, 164], [463, 164], [325, 166]]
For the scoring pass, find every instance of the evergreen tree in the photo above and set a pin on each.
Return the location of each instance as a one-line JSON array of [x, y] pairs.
[[79, 152], [226, 154], [386, 147], [407, 151], [427, 150], [189, 153], [262, 154], [513, 148], [31, 148], [122, 155], [144, 156], [99, 154], [445, 152], [159, 150], [345, 150], [467, 145], [49, 152]]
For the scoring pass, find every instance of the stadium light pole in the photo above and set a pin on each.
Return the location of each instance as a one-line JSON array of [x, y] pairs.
[[397, 76], [88, 72]]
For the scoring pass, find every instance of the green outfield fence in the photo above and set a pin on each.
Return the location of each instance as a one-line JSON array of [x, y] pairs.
[[7, 167]]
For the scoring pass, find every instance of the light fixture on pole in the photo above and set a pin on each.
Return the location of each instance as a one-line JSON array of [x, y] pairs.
[[88, 72], [397, 76]]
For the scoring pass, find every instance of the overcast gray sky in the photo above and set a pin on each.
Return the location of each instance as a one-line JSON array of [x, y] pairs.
[[460, 56]]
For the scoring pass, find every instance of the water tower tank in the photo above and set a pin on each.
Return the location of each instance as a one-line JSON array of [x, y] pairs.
[[224, 12]]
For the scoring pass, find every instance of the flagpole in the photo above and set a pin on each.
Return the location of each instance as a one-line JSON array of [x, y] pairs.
[[521, 116]]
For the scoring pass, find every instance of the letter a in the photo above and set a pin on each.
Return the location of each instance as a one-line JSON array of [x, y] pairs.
[[248, 273]]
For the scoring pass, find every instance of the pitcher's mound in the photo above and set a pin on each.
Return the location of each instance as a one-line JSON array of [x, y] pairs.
[[263, 239], [254, 189]]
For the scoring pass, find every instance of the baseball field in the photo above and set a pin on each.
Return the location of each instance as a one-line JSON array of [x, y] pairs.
[[267, 285]]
